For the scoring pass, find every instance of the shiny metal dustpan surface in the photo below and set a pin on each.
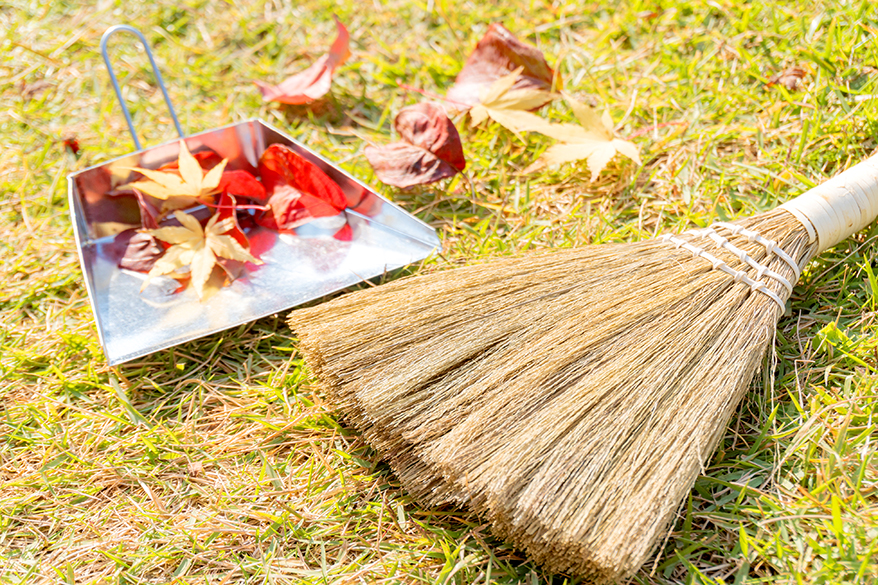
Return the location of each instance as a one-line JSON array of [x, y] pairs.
[[297, 267]]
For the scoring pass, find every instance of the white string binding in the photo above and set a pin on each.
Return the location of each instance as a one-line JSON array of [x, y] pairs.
[[761, 270], [737, 275], [770, 245]]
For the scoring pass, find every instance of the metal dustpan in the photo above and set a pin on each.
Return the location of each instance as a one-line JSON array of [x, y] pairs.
[[298, 267]]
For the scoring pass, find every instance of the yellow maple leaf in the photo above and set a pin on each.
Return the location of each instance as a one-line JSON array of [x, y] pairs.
[[592, 139], [189, 183], [510, 107], [197, 248]]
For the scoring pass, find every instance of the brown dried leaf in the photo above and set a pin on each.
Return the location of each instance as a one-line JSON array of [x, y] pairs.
[[791, 78], [430, 148], [141, 250], [498, 54]]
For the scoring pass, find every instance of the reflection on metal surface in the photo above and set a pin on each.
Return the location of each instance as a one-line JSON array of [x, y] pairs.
[[298, 268]]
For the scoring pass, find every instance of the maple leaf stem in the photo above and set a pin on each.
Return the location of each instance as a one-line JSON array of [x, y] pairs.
[[434, 96]]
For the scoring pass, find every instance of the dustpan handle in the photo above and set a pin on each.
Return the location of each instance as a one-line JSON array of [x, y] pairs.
[[155, 70]]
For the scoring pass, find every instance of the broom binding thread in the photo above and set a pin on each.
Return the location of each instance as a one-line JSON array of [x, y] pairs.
[[761, 270], [737, 275], [770, 246]]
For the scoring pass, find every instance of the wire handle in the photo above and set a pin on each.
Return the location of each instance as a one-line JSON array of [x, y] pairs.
[[155, 70]]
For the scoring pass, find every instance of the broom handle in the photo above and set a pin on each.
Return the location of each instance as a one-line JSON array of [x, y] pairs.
[[841, 206]]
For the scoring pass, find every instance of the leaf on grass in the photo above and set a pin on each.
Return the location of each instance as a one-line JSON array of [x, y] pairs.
[[498, 54], [592, 139], [430, 148], [791, 78], [71, 143], [315, 81], [188, 181], [298, 191], [198, 248], [510, 107]]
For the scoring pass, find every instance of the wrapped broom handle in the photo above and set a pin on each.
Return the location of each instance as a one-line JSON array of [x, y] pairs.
[[841, 206]]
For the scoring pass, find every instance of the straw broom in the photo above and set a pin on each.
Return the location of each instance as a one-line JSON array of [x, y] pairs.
[[572, 397]]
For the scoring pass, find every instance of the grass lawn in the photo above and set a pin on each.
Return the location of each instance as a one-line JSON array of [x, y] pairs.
[[215, 462]]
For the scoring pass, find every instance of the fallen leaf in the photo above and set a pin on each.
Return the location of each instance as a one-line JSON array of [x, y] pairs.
[[197, 248], [791, 78], [207, 159], [100, 207], [430, 148], [194, 468], [188, 182], [345, 234], [510, 107], [314, 82], [497, 54], [71, 143], [242, 184], [592, 139], [148, 213], [228, 209], [140, 250], [297, 190], [32, 90]]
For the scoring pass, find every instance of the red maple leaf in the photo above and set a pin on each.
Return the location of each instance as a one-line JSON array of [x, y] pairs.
[[297, 189], [242, 184], [227, 209], [314, 82]]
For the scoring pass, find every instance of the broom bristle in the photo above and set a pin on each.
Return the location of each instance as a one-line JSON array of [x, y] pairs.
[[572, 396]]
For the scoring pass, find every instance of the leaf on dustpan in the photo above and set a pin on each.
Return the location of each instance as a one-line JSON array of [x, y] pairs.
[[207, 159], [498, 54], [430, 148], [198, 248], [242, 184], [298, 191], [188, 182], [148, 213], [228, 209], [592, 139], [140, 250], [510, 107], [315, 81]]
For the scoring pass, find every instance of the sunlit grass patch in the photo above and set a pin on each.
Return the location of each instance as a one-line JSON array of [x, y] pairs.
[[217, 461]]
